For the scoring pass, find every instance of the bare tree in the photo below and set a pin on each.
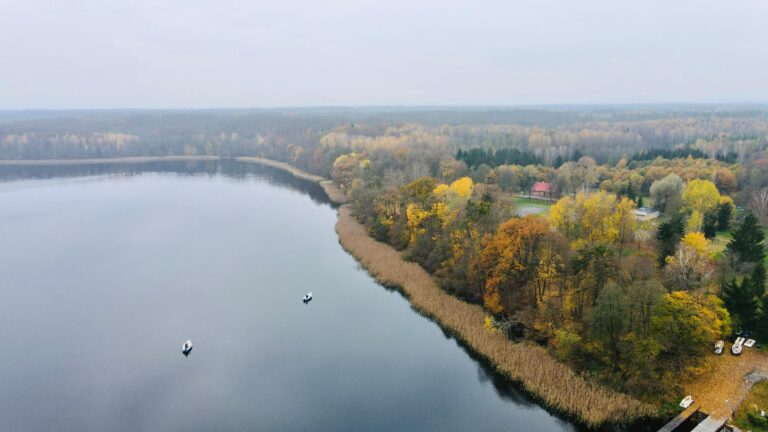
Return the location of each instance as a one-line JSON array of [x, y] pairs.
[[759, 205]]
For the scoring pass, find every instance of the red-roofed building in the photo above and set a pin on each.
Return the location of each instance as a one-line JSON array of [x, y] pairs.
[[541, 189]]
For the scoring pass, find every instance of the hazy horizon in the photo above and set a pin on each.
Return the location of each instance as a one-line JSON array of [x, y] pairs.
[[350, 54]]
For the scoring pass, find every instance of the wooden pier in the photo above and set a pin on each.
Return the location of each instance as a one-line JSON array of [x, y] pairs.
[[680, 418], [710, 424]]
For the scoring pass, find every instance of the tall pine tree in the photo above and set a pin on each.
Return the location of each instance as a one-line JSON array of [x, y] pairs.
[[724, 212], [761, 321], [709, 228], [668, 236], [747, 241], [739, 302], [757, 280], [745, 300]]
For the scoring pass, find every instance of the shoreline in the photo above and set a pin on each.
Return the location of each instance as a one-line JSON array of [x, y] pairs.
[[553, 383], [335, 195]]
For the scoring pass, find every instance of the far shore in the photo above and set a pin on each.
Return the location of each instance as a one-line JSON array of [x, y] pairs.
[[334, 193], [98, 161]]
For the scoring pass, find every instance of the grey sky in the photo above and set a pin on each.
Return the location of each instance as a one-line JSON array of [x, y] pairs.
[[252, 53]]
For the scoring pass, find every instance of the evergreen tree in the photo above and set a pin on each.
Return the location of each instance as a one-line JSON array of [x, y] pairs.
[[746, 300], [761, 321], [668, 236], [709, 227], [747, 241], [640, 202], [630, 191], [757, 281], [740, 302], [724, 212], [558, 161]]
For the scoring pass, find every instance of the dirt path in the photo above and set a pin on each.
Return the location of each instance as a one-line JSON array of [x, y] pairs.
[[727, 380]]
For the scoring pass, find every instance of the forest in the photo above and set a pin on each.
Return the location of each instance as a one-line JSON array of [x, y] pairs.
[[633, 303]]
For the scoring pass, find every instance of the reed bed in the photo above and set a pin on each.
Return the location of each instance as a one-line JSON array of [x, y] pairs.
[[334, 193], [553, 382]]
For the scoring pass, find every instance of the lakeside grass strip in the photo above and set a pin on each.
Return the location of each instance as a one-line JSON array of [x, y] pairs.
[[333, 192], [555, 383]]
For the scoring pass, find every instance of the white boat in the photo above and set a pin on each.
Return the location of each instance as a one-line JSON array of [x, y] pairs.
[[719, 347], [307, 297], [186, 348], [686, 402], [749, 343]]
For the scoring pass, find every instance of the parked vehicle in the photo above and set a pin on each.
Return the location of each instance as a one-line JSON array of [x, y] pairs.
[[686, 402], [719, 347], [737, 346]]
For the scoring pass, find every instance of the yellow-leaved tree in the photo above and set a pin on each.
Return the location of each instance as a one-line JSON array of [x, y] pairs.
[[625, 221], [415, 216], [450, 200], [510, 263], [690, 267], [592, 218], [699, 197]]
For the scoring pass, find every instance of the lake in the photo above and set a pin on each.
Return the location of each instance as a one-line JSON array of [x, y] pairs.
[[108, 269]]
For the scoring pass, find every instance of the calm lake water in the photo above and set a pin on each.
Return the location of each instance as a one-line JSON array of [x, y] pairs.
[[106, 270]]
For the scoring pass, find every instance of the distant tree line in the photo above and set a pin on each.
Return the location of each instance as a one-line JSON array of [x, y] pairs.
[[477, 156], [681, 153]]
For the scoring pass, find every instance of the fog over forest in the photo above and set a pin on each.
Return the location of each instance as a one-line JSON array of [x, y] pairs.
[[239, 53]]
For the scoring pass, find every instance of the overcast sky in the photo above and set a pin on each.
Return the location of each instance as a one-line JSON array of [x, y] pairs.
[[274, 53]]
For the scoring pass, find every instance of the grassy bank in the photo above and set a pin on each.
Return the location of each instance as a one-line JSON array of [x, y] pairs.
[[749, 417], [333, 192], [556, 384]]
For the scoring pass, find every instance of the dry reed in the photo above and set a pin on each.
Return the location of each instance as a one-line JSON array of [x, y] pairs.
[[555, 383]]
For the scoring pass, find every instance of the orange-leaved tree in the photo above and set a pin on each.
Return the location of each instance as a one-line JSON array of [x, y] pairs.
[[509, 263]]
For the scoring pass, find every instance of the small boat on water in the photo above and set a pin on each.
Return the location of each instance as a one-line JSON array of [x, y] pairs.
[[186, 348], [307, 297]]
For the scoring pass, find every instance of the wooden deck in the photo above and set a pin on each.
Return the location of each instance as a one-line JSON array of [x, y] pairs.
[[680, 418], [710, 424]]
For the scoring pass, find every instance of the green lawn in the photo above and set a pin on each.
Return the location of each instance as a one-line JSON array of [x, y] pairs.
[[531, 202], [530, 206], [717, 245], [748, 416]]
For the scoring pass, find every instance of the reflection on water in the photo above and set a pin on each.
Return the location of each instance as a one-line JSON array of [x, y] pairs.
[[228, 168], [107, 269]]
